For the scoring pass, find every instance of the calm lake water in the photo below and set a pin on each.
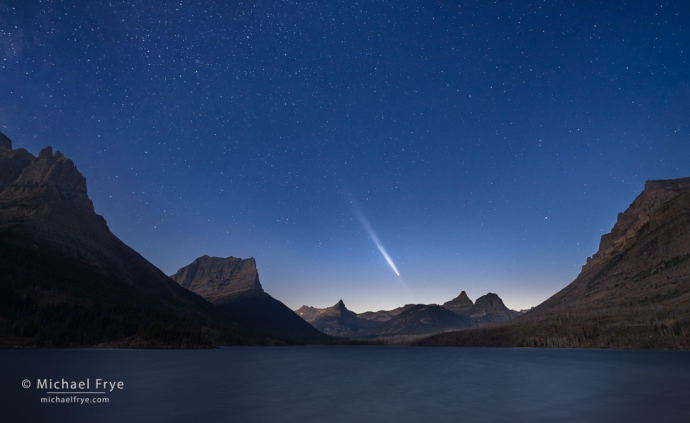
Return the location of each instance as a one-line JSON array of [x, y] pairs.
[[353, 384]]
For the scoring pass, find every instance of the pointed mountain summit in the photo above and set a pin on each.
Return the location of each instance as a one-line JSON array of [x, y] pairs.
[[459, 304], [233, 285], [339, 310]]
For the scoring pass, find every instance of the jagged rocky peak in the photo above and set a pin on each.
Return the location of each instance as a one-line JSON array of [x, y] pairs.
[[338, 309], [46, 190], [638, 214], [219, 279]]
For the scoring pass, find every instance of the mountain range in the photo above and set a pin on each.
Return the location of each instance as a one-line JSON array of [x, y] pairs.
[[411, 319]]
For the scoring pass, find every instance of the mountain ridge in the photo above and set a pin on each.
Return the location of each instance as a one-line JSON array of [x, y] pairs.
[[457, 313]]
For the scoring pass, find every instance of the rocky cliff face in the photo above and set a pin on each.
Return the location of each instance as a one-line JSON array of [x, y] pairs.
[[220, 279]]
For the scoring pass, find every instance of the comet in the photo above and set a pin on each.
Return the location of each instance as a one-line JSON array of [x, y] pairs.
[[374, 237]]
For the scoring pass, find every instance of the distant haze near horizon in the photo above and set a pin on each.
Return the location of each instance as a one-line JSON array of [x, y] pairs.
[[471, 146]]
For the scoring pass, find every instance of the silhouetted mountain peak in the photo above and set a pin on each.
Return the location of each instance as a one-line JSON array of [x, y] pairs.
[[339, 309]]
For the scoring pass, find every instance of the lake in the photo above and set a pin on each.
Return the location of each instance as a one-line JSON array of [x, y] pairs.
[[348, 384]]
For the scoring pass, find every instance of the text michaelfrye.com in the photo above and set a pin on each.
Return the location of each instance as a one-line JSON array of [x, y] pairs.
[[74, 400]]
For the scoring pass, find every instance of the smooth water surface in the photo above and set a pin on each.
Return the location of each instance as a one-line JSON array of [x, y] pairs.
[[354, 384]]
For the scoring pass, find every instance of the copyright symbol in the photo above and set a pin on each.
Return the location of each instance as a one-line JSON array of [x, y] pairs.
[[26, 384]]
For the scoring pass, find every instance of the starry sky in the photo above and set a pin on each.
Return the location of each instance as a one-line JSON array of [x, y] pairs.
[[466, 145]]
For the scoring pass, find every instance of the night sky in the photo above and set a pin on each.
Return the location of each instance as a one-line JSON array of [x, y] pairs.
[[480, 146]]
